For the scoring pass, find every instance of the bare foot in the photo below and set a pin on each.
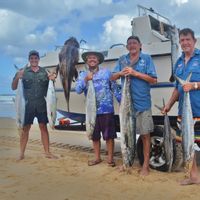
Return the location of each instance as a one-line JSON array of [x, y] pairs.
[[21, 157], [144, 172], [50, 156], [122, 168], [190, 181]]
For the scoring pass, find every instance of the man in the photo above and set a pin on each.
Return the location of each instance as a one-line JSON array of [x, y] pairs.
[[141, 70], [188, 62], [35, 83], [105, 122]]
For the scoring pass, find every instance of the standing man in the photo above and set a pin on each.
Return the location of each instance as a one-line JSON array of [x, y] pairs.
[[35, 83], [141, 70], [188, 62], [105, 121]]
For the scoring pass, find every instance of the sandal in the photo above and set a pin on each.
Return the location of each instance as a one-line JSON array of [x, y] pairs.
[[94, 162], [111, 164]]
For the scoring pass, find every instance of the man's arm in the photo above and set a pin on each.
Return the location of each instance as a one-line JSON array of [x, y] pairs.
[[172, 100], [16, 79]]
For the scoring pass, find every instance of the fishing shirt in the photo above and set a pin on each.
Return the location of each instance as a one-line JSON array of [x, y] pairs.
[[35, 86], [104, 89], [183, 70], [140, 89]]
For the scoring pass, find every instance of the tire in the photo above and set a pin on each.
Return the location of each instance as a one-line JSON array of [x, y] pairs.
[[157, 153]]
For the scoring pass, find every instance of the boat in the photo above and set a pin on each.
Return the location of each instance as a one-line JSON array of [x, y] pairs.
[[159, 38]]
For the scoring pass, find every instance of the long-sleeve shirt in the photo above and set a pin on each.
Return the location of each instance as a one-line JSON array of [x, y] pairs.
[[104, 89]]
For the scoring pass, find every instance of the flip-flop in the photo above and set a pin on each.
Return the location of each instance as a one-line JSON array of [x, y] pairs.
[[94, 162], [111, 164]]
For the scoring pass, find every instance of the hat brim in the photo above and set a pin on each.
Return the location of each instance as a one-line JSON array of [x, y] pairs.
[[99, 55]]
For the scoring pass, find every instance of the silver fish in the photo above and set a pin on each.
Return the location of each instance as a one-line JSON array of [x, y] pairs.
[[168, 140], [127, 125], [90, 109], [187, 127], [20, 106], [51, 103], [68, 58]]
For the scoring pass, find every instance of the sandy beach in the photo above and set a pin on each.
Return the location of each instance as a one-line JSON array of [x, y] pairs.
[[70, 178]]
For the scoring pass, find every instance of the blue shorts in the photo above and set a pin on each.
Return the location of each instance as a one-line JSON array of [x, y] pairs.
[[105, 123], [41, 117]]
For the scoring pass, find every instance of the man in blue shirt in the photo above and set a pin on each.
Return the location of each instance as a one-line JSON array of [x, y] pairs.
[[188, 62], [140, 68], [104, 89]]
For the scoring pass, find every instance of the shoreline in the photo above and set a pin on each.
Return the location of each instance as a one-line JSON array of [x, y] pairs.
[[70, 178]]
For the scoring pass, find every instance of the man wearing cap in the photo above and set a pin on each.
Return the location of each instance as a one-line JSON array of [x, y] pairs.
[[105, 122], [35, 83], [141, 70]]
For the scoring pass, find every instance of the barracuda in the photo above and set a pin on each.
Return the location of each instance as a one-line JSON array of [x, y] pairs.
[[127, 126], [187, 127], [168, 140]]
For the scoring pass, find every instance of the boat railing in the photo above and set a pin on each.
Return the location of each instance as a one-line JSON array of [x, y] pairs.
[[143, 11]]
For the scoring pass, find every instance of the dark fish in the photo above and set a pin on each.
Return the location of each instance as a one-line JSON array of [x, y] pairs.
[[168, 140], [68, 58]]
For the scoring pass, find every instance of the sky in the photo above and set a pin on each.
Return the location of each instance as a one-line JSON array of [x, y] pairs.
[[45, 24]]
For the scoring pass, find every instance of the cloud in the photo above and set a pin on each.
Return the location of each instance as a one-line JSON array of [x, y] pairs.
[[116, 30], [178, 2]]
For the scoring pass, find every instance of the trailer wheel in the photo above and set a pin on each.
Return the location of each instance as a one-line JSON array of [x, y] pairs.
[[157, 155]]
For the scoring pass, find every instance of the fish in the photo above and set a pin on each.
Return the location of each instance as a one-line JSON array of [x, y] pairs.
[[68, 58], [90, 109], [51, 103], [167, 140], [187, 128], [127, 126], [20, 105]]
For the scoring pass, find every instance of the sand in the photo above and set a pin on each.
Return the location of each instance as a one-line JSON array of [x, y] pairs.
[[70, 178]]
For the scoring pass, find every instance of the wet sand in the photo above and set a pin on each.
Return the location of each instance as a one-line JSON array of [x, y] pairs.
[[70, 178]]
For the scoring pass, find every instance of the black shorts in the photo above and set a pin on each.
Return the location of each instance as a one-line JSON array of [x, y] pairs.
[[41, 117], [105, 123]]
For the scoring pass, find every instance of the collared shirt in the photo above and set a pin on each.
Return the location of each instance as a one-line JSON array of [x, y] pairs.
[[104, 89], [182, 70], [140, 89], [35, 89]]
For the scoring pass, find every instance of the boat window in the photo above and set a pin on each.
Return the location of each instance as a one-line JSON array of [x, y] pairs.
[[160, 26]]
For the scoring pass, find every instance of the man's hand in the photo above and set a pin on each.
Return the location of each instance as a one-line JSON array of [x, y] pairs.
[[129, 71], [188, 86], [89, 76], [52, 76], [20, 74]]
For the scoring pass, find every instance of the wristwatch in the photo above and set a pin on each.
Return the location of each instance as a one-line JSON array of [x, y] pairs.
[[195, 85]]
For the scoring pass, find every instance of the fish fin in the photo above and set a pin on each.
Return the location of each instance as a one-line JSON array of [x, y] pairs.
[[159, 107], [181, 81], [163, 102]]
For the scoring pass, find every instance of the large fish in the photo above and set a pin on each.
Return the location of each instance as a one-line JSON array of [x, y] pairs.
[[68, 58], [20, 106], [90, 109], [168, 140], [51, 103], [127, 126], [187, 128]]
